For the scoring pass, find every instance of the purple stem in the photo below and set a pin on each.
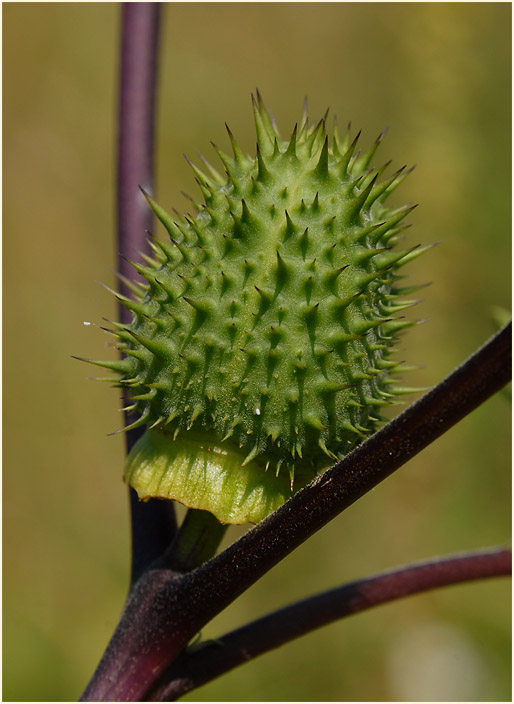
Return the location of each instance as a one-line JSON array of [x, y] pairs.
[[139, 46], [164, 611], [153, 523], [219, 656]]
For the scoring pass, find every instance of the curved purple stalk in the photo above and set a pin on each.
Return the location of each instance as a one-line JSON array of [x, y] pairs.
[[137, 96], [153, 523], [214, 658]]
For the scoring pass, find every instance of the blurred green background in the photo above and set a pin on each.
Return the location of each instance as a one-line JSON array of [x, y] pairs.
[[439, 75]]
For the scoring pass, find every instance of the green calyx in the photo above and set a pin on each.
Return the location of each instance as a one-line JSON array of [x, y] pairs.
[[259, 350], [205, 473]]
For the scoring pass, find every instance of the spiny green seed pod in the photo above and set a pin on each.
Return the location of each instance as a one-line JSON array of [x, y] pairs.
[[259, 350]]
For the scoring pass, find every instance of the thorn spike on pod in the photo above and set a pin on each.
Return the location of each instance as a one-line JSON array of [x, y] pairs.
[[206, 190], [263, 174], [246, 216], [161, 214], [122, 366], [200, 234], [365, 158], [360, 200], [228, 435], [276, 149], [266, 299], [137, 424], [226, 283], [290, 227], [239, 156], [321, 169], [398, 172], [225, 159], [147, 396], [200, 174], [267, 117], [183, 251], [196, 203], [167, 289], [134, 287], [152, 263], [381, 136], [323, 446], [273, 122], [156, 348], [407, 390], [218, 178], [251, 455], [353, 160], [138, 309], [249, 268], [345, 160], [371, 185], [157, 422], [157, 251], [116, 333], [317, 132], [344, 142], [291, 148], [313, 421], [144, 271], [196, 412], [331, 277], [415, 252], [284, 271], [238, 231], [304, 242], [201, 306], [171, 416], [398, 215], [263, 138], [311, 318], [396, 179], [128, 409]]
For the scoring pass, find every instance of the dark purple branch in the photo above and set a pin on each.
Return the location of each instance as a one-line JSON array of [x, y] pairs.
[[153, 523], [138, 70], [163, 612], [214, 658]]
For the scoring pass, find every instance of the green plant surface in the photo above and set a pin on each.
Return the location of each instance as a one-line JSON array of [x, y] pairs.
[[439, 75], [260, 346]]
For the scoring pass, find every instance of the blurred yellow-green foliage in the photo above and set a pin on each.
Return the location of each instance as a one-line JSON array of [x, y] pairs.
[[439, 75]]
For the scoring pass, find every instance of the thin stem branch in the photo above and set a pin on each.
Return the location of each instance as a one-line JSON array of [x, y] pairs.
[[153, 523], [197, 540], [163, 612], [137, 97], [214, 658]]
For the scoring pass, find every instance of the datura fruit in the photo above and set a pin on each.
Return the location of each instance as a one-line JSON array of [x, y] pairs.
[[261, 341]]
